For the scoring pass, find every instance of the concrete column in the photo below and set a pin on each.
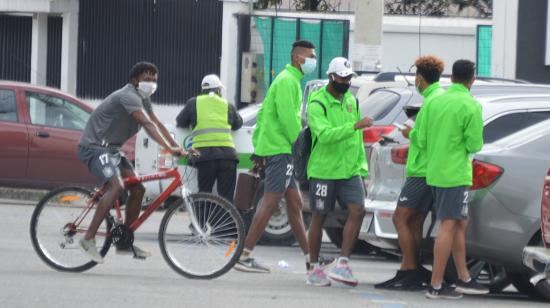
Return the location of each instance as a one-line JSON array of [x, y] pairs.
[[39, 48], [69, 48], [505, 33], [229, 58], [366, 52]]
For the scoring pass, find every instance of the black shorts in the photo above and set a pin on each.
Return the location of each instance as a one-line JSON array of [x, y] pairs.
[[279, 173], [451, 203], [324, 193], [416, 194], [104, 163]]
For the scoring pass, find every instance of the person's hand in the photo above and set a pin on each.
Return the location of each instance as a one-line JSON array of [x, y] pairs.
[[363, 123], [177, 151], [193, 153], [405, 132]]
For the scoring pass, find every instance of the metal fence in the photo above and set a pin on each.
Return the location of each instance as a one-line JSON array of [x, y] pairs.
[[15, 47], [182, 37]]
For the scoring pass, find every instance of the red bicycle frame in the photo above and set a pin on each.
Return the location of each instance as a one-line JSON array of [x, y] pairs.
[[172, 173]]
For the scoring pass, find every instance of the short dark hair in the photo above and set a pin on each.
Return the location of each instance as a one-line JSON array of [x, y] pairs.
[[464, 70], [142, 67], [303, 44], [429, 67]]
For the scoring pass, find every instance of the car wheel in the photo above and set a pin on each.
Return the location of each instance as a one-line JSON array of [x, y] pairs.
[[493, 277], [336, 237], [522, 282]]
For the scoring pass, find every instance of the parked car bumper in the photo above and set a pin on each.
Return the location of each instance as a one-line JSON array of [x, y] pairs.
[[537, 259], [377, 228]]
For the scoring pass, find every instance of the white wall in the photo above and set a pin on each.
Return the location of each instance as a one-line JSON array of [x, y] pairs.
[[505, 31], [448, 38]]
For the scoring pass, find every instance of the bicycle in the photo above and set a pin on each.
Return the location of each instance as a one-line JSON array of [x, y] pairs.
[[201, 236]]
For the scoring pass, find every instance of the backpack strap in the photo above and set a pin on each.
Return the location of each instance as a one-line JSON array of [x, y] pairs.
[[322, 105], [325, 112]]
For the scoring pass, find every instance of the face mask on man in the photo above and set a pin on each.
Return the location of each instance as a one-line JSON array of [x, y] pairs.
[[309, 65], [146, 88], [340, 88]]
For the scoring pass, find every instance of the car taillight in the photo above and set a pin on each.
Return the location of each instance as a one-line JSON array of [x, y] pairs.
[[399, 154], [165, 160], [484, 174], [374, 133]]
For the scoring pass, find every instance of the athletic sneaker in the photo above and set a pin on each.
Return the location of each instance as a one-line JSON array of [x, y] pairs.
[[445, 292], [471, 287], [136, 252], [251, 266], [342, 273], [404, 280], [317, 278], [327, 262], [88, 247]]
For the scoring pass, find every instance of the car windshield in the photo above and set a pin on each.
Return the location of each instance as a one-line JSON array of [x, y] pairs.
[[379, 104]]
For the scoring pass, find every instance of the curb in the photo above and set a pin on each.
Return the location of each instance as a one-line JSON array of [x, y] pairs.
[[17, 195]]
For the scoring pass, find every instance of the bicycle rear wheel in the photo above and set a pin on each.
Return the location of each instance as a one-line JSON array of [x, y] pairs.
[[206, 253], [55, 230]]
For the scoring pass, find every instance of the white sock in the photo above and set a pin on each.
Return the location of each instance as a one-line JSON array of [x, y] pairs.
[[438, 287], [306, 255], [246, 254]]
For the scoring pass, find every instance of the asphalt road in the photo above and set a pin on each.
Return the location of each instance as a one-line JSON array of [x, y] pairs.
[[25, 281]]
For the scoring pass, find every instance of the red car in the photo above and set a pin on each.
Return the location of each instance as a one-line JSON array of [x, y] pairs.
[[39, 132]]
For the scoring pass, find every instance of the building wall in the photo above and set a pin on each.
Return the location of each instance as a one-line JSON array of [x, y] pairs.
[[531, 41], [403, 40]]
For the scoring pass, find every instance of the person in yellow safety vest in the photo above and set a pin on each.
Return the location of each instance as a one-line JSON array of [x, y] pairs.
[[212, 119]]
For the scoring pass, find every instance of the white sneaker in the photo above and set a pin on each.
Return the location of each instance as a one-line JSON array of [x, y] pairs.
[[138, 252], [88, 247]]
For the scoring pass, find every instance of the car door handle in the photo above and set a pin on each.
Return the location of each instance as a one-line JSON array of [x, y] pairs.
[[42, 134]]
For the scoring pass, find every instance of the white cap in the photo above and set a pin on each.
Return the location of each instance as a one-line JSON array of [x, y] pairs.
[[341, 67], [211, 82]]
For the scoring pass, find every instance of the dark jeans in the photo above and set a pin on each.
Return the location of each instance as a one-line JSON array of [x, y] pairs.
[[222, 171]]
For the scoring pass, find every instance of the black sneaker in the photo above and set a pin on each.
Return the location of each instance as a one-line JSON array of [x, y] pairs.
[[407, 280], [445, 292], [249, 265], [400, 275], [470, 288]]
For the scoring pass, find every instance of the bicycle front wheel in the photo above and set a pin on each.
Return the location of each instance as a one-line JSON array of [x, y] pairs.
[[207, 247], [59, 221]]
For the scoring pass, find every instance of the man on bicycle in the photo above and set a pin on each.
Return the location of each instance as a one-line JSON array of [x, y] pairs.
[[113, 122]]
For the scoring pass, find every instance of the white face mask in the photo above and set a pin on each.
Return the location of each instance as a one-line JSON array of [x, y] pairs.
[[147, 88], [309, 65]]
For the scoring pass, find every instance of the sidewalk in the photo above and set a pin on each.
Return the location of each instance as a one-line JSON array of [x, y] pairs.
[[20, 196]]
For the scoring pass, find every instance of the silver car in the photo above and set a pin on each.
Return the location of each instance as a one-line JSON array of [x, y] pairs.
[[503, 116]]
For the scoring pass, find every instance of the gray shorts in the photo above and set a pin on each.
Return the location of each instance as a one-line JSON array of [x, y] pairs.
[[451, 203], [416, 194], [324, 193], [279, 173], [104, 163]]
